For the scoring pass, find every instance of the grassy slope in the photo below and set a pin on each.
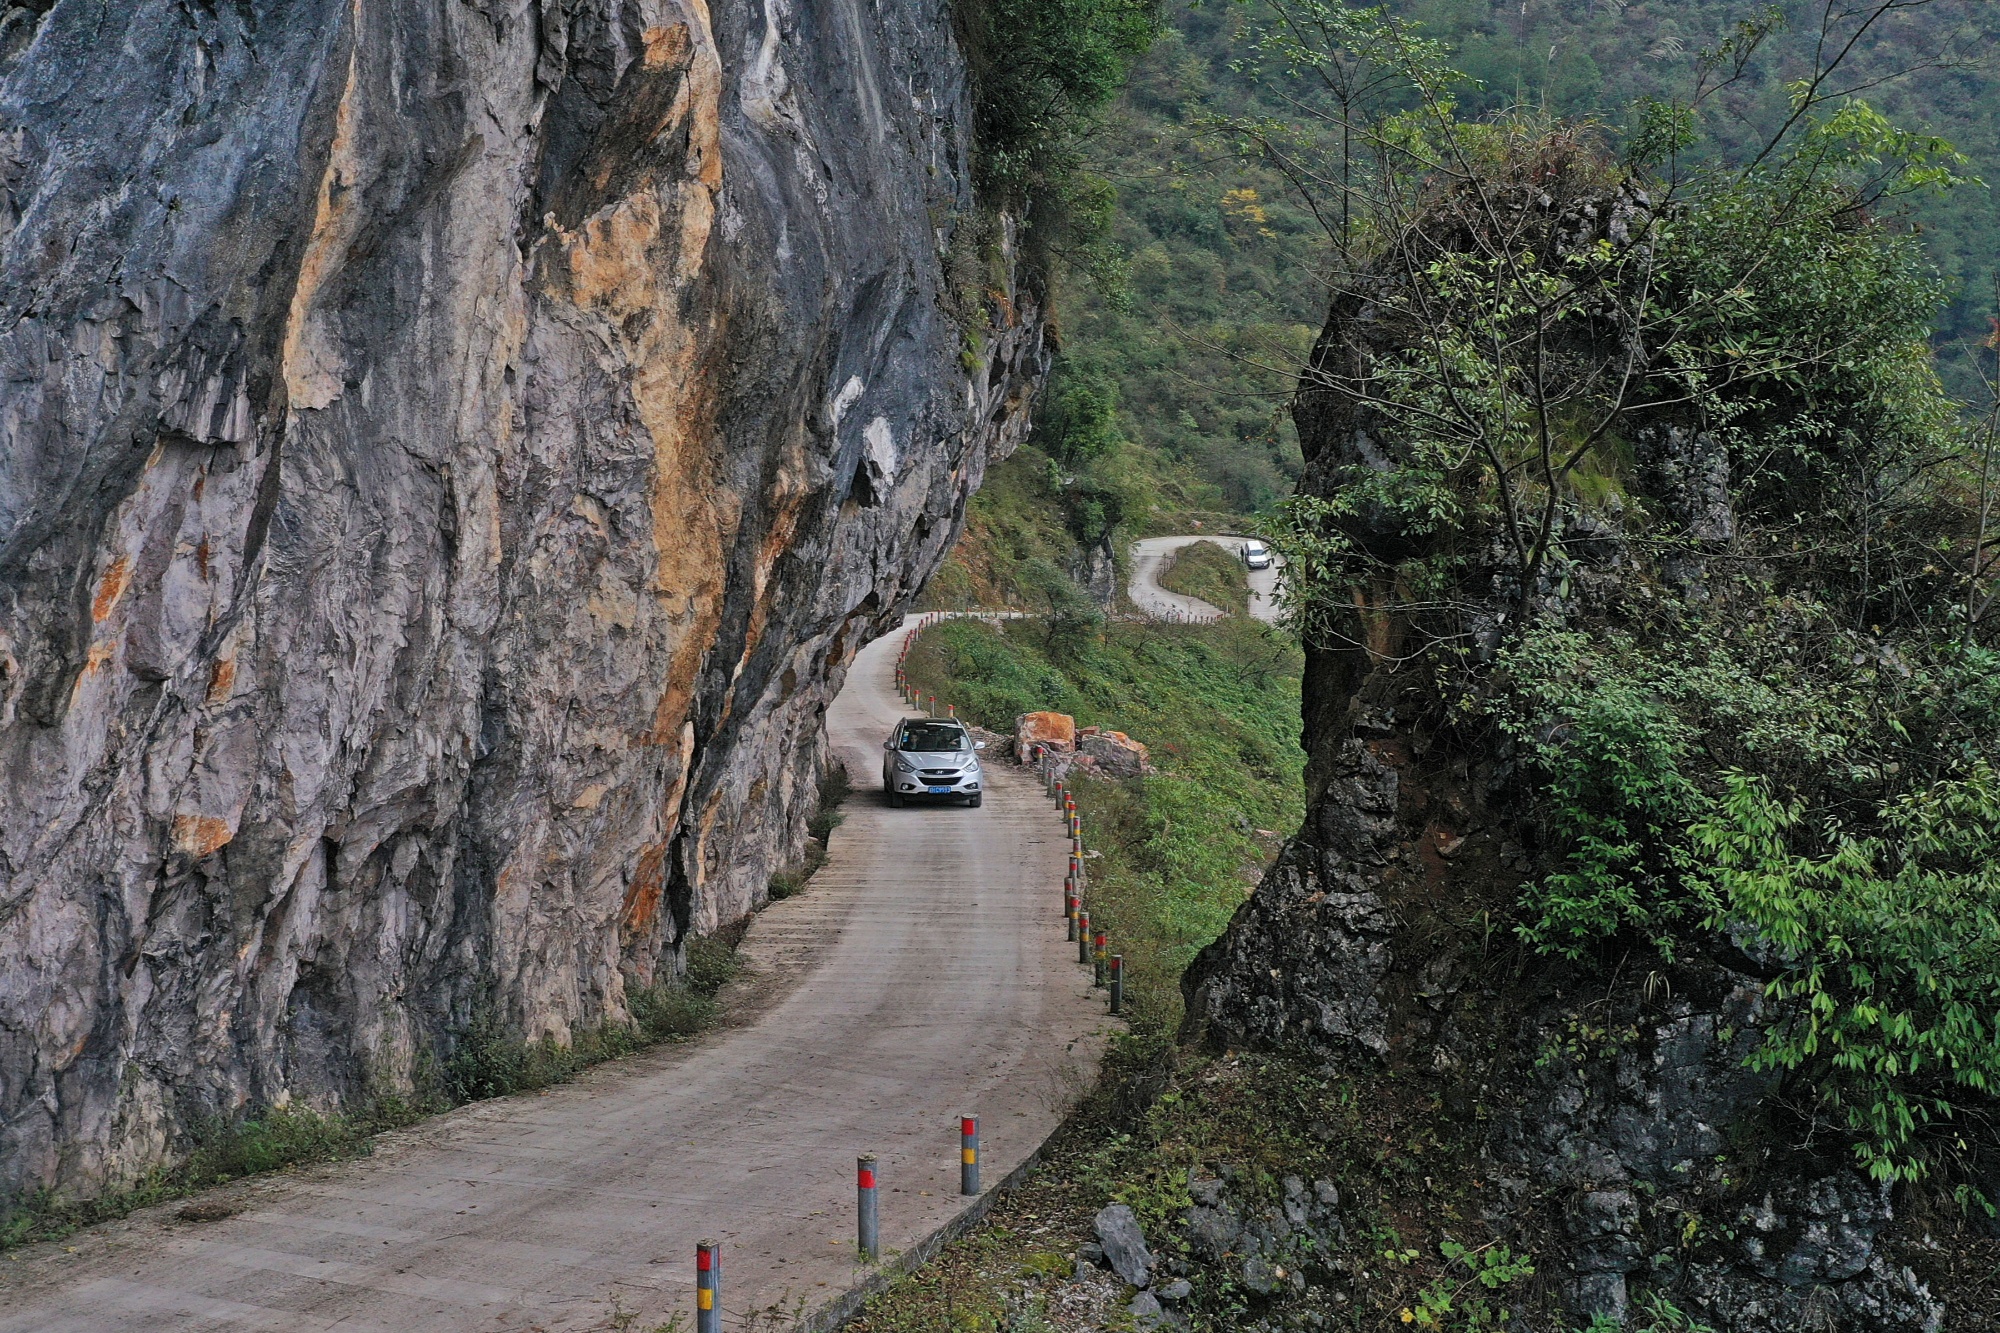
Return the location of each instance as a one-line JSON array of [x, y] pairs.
[[1207, 571], [1016, 518]]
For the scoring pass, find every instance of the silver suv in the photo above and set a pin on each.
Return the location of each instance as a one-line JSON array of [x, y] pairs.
[[928, 756]]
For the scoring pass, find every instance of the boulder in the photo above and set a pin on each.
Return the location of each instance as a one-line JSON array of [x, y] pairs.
[[1055, 732], [1114, 753], [1124, 1244]]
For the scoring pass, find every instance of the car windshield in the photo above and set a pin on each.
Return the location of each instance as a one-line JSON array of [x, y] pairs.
[[1254, 548], [932, 736]]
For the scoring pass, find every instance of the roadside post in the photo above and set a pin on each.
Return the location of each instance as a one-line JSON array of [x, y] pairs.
[[968, 1154], [868, 1226], [708, 1287], [1082, 937], [1097, 956], [1070, 913], [1117, 984]]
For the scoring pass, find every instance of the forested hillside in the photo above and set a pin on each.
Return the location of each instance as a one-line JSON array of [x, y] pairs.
[[1199, 335]]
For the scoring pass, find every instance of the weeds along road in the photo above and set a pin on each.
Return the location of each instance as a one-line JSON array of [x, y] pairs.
[[1152, 555], [921, 974]]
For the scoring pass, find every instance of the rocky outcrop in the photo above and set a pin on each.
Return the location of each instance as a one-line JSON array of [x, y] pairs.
[[1609, 1114], [449, 453]]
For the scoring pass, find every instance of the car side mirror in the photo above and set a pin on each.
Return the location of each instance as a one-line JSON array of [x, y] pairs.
[[888, 745], [979, 745]]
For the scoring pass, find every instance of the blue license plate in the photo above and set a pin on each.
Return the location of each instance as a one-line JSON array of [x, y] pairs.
[[939, 791]]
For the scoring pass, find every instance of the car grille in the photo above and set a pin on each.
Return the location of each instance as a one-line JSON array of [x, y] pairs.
[[940, 772]]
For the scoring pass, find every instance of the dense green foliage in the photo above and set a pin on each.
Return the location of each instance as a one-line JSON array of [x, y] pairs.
[[1227, 262], [1040, 68], [1894, 986], [1202, 340], [1040, 71], [1881, 907], [1601, 61]]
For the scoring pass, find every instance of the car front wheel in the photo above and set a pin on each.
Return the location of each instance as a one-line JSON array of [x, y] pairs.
[[973, 801]]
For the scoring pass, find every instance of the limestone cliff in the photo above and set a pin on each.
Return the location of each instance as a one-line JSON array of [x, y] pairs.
[[449, 453]]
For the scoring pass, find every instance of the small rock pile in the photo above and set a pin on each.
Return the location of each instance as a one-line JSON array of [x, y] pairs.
[[1121, 1247], [1286, 1253]]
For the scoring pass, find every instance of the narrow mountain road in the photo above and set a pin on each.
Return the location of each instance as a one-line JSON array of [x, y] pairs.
[[1152, 555], [921, 974]]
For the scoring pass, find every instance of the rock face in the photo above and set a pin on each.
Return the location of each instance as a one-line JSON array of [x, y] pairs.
[[449, 453], [1608, 1117]]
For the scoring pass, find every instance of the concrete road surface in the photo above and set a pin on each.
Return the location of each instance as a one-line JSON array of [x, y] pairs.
[[921, 974], [1152, 555]]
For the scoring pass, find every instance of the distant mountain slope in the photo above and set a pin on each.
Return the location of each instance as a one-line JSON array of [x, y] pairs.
[[1223, 298]]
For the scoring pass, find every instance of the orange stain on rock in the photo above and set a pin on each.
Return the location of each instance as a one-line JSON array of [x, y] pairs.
[[664, 46], [648, 889], [111, 588], [199, 835], [311, 363], [221, 679]]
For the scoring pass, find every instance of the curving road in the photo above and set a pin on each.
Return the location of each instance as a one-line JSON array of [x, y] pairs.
[[1152, 555], [922, 974]]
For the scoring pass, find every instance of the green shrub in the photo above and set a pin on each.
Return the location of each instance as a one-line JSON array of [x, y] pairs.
[[1608, 750], [1040, 68], [1891, 950], [221, 1151]]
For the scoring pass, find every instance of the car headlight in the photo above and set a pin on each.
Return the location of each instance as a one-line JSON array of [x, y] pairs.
[[907, 764]]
